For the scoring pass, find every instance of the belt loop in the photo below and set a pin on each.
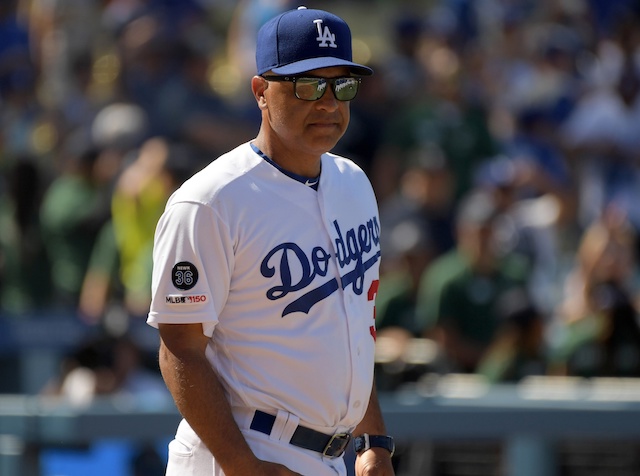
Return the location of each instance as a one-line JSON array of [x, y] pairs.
[[279, 425], [243, 416], [290, 427]]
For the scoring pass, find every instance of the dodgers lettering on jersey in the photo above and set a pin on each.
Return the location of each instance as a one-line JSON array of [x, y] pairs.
[[350, 247]]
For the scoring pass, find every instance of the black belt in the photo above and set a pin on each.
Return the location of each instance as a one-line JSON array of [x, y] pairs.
[[329, 445]]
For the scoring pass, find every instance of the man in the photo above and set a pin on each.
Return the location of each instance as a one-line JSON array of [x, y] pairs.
[[460, 292], [265, 276]]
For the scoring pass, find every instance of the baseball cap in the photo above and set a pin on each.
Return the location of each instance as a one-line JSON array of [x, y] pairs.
[[305, 39]]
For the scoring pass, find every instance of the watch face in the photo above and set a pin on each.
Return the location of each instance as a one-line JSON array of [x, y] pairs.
[[359, 444]]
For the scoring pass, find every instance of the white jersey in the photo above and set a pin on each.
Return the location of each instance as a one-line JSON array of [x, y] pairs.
[[283, 279]]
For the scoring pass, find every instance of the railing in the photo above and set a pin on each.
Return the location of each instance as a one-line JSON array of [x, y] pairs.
[[528, 417]]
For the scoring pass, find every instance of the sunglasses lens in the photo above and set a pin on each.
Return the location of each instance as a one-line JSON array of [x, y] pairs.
[[310, 89], [345, 89]]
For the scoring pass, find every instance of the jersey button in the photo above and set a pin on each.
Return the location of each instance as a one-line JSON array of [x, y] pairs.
[[356, 404]]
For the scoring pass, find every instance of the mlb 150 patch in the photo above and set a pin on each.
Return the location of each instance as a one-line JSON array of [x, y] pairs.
[[186, 298], [184, 275]]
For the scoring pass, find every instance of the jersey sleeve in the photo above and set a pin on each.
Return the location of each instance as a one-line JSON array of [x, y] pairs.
[[192, 263]]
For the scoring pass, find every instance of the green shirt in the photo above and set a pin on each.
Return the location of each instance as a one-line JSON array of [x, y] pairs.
[[452, 293]]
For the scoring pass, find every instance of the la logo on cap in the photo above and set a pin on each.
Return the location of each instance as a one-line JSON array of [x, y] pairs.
[[325, 37]]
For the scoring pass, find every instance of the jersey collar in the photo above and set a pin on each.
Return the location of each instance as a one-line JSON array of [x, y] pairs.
[[309, 182]]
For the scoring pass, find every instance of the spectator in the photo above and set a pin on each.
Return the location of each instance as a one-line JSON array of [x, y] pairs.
[[519, 347], [602, 134], [425, 197], [416, 228], [460, 290], [24, 267], [138, 201], [597, 332], [71, 214], [538, 223]]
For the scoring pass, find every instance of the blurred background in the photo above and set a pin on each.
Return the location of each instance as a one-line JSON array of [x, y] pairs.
[[502, 138]]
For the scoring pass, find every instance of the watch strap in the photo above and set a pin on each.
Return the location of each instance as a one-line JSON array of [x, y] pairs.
[[365, 441]]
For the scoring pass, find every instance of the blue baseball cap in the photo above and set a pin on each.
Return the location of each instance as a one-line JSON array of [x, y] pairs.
[[301, 40]]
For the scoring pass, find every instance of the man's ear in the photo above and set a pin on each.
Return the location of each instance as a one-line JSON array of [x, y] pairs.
[[259, 86]]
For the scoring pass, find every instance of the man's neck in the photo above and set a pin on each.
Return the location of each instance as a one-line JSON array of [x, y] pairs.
[[290, 159]]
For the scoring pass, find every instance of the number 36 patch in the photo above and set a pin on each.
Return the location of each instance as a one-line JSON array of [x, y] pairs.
[[184, 275]]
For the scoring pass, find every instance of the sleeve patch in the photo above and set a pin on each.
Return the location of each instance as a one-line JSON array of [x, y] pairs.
[[184, 275], [185, 299]]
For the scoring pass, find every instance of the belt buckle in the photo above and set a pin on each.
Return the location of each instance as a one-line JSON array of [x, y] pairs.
[[337, 445]]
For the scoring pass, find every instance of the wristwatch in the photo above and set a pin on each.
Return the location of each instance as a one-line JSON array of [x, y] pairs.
[[365, 441]]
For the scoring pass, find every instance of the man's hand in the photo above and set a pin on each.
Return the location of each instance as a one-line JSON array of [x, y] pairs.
[[374, 462]]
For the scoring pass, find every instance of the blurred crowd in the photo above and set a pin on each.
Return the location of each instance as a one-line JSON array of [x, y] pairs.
[[502, 138], [508, 174]]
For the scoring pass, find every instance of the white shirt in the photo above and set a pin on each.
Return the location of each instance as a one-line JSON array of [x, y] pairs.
[[285, 286]]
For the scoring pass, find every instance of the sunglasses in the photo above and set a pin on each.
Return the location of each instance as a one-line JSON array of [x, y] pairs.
[[312, 89]]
